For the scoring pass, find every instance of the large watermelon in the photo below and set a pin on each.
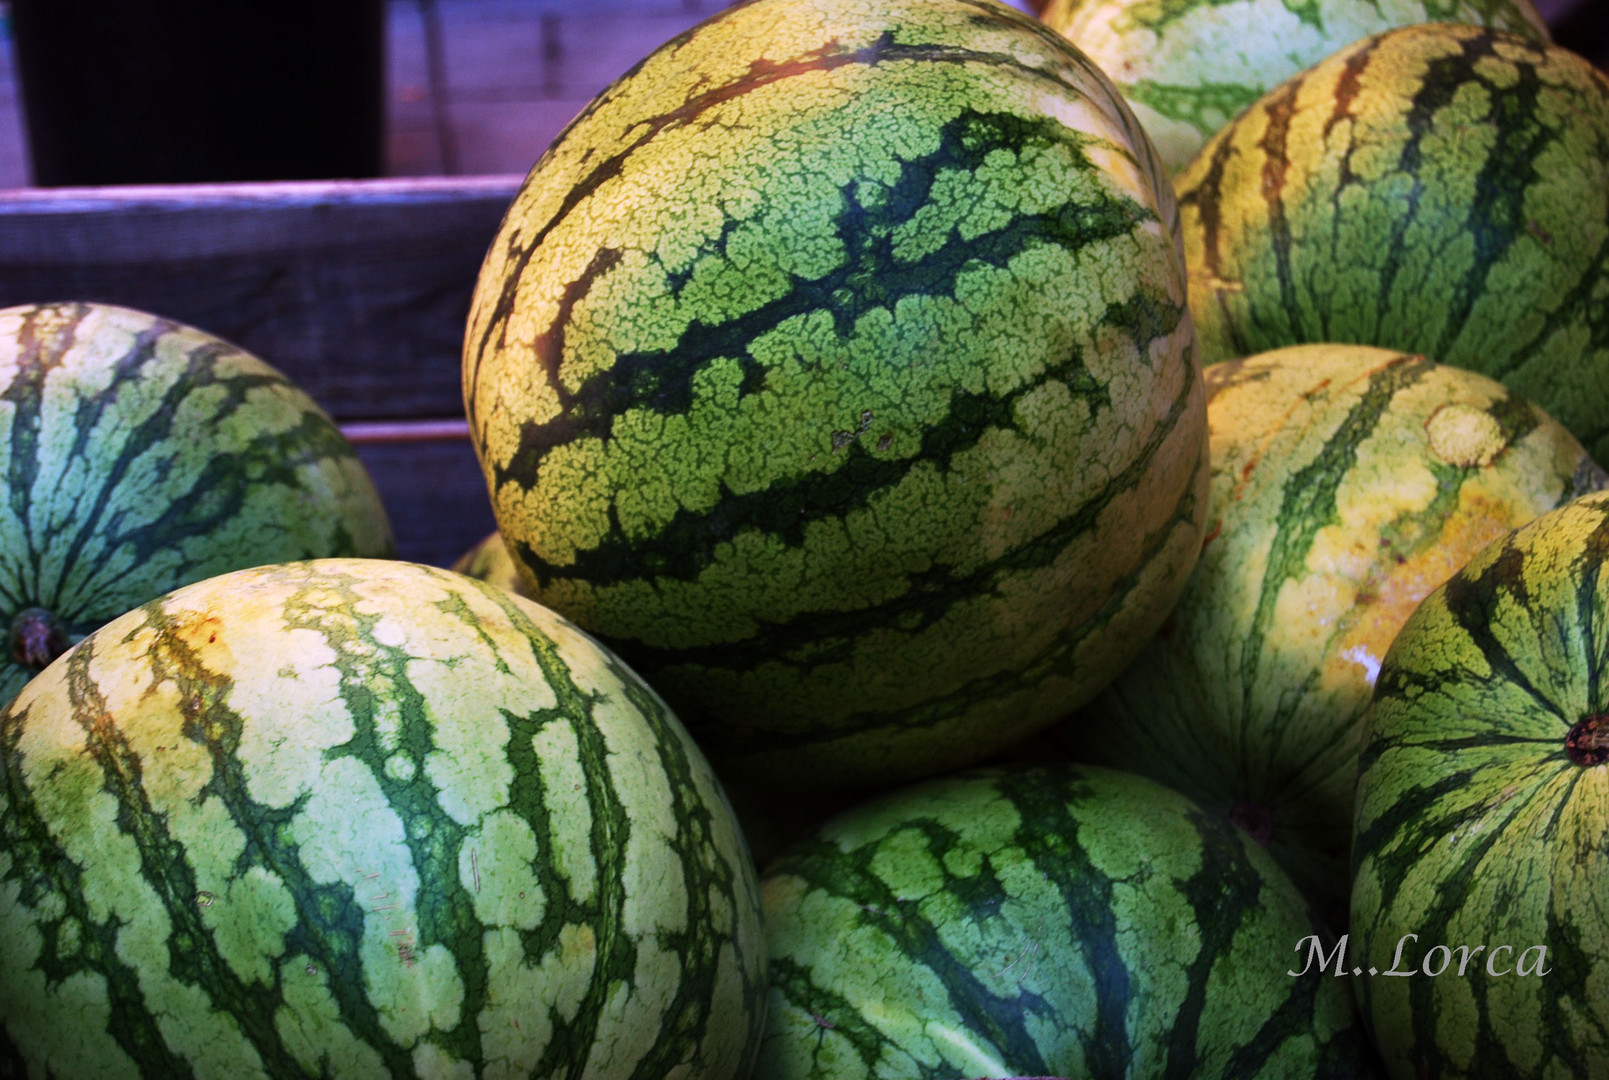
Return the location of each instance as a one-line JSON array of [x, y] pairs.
[[1482, 810], [1054, 920], [140, 455], [1347, 482], [1189, 68], [360, 818], [1438, 189], [834, 366]]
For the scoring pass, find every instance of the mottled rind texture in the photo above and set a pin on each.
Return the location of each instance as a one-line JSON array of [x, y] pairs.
[[1474, 829], [1347, 483], [835, 368], [489, 561], [1054, 921], [1188, 67], [767, 820], [364, 819], [1438, 189], [141, 455]]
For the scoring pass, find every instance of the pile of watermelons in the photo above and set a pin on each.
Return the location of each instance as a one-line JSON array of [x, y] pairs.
[[1119, 523]]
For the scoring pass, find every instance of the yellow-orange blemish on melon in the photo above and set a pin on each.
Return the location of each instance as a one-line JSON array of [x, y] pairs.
[[1398, 582]]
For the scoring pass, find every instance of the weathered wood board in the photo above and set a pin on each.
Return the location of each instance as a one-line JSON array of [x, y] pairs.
[[358, 290]]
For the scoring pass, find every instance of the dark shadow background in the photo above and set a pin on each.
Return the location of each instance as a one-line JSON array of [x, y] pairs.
[[282, 90]]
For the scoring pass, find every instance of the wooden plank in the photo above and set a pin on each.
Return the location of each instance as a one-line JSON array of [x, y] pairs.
[[396, 431], [358, 290]]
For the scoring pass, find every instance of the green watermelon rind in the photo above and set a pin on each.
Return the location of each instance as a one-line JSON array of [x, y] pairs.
[[364, 818], [1189, 67], [1435, 189], [1476, 831], [141, 455], [1057, 919], [850, 460]]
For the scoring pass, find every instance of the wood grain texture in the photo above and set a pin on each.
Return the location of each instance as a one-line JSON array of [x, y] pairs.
[[357, 290]]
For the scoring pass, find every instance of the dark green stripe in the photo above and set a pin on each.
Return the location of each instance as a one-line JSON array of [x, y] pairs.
[[192, 957], [871, 278], [1451, 897], [1206, 198], [39, 868], [1279, 107], [1307, 505], [1220, 894], [616, 959], [824, 637], [832, 1012], [443, 907], [1472, 602], [1496, 216], [707, 871], [1048, 836], [1002, 1022], [1590, 564], [1581, 305], [760, 73], [25, 393]]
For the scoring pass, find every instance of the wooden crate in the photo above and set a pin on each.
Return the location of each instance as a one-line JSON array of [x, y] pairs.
[[357, 290]]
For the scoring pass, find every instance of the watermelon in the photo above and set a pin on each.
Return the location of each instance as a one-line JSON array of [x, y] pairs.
[[1437, 189], [834, 367], [1189, 68], [489, 561], [364, 818], [769, 818], [1482, 808], [141, 455], [1347, 482], [1053, 920]]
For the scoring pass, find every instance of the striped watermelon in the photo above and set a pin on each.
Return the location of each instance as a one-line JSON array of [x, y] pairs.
[[770, 819], [1051, 920], [361, 818], [1347, 482], [1187, 69], [1437, 189], [834, 367], [141, 455], [1482, 809]]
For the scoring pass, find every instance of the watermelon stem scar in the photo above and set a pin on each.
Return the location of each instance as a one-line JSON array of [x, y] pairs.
[[1588, 741], [37, 638]]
